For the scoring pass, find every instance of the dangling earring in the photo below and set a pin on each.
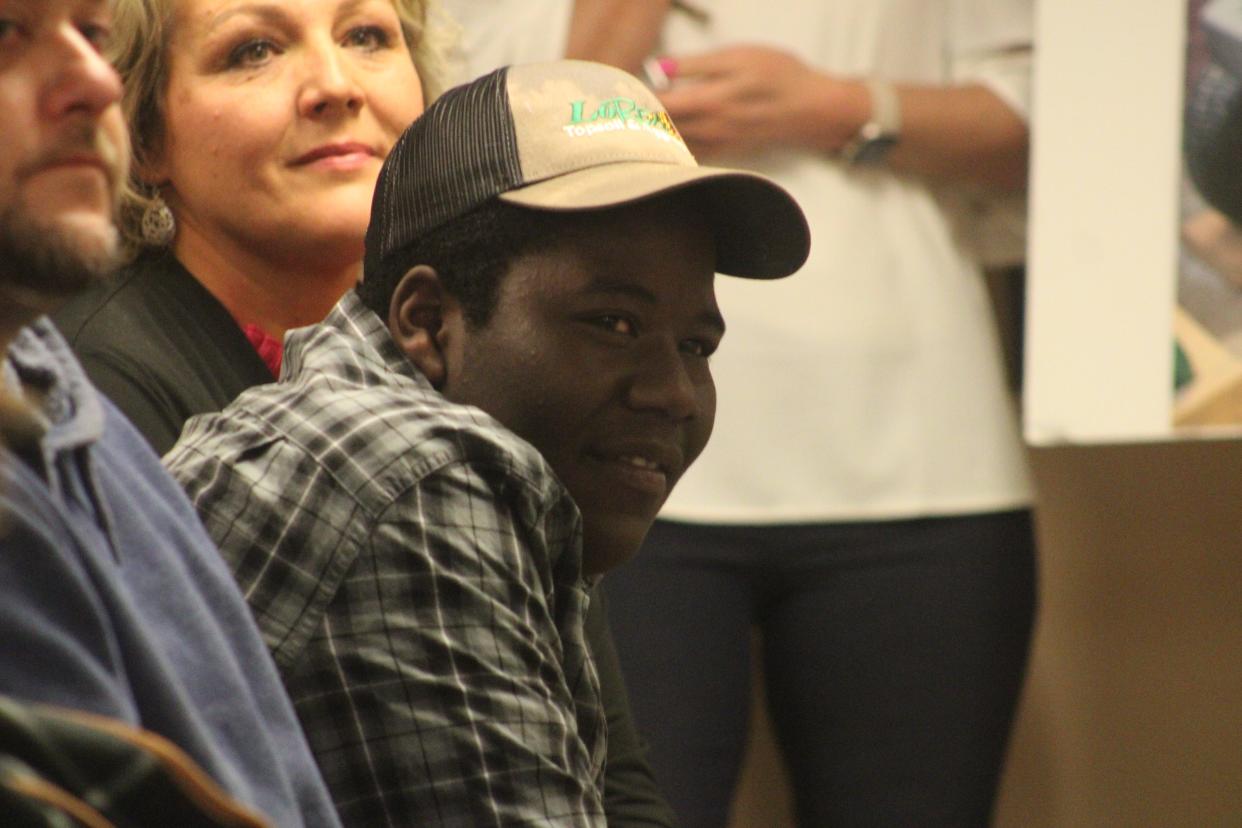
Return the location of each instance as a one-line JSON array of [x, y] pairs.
[[158, 224]]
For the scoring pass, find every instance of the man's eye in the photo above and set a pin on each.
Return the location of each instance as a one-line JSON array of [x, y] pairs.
[[96, 34], [9, 30], [617, 324]]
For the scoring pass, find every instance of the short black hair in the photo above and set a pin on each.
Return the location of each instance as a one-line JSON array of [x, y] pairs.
[[1212, 139], [471, 254]]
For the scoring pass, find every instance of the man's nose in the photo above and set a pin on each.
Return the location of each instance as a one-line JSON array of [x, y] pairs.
[[662, 381], [81, 80]]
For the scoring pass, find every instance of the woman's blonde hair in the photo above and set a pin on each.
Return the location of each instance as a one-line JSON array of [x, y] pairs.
[[139, 50]]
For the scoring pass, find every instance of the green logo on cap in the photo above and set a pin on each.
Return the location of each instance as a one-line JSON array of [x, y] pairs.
[[618, 113]]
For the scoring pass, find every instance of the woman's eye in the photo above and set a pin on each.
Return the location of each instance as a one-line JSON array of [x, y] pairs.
[[251, 53], [370, 38]]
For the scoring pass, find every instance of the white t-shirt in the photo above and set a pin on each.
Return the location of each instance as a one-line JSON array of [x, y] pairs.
[[497, 33], [869, 385]]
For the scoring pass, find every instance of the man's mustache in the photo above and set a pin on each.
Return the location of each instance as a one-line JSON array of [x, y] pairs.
[[80, 143]]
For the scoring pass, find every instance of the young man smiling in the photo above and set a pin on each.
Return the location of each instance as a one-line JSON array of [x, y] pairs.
[[112, 599], [417, 510]]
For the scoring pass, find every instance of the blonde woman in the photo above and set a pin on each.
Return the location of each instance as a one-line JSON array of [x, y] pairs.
[[258, 132]]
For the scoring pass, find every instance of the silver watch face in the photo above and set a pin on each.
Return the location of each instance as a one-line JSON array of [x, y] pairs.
[[873, 150]]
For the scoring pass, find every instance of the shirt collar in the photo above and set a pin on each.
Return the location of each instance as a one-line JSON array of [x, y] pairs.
[[58, 390], [268, 347], [354, 319]]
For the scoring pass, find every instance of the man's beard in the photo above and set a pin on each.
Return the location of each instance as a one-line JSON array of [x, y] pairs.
[[44, 263]]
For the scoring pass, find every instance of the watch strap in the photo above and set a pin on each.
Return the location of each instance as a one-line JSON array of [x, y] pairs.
[[879, 134], [885, 108]]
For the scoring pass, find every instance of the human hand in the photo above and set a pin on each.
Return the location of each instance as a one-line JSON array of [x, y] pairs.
[[1215, 239], [742, 99]]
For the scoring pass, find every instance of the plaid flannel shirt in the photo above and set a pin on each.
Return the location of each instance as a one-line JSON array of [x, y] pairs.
[[416, 571]]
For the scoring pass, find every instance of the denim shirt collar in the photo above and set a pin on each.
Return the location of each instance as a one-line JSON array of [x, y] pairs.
[[62, 400]]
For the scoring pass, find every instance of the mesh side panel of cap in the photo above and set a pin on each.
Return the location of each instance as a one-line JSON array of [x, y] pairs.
[[458, 154]]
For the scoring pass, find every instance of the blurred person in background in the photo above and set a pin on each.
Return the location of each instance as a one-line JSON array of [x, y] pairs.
[[864, 502]]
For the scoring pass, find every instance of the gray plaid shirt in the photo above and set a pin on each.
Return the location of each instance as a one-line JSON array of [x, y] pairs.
[[416, 571]]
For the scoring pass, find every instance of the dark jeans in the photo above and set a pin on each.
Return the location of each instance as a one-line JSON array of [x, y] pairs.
[[894, 655]]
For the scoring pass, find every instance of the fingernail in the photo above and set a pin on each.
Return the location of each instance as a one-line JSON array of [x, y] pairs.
[[669, 65]]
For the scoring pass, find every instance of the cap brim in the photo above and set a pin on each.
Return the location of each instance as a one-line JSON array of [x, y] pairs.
[[760, 230]]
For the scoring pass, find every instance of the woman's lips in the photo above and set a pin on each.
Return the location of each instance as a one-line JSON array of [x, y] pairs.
[[346, 156]]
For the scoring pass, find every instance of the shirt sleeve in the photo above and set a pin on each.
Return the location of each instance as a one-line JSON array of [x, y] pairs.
[[442, 685], [991, 43]]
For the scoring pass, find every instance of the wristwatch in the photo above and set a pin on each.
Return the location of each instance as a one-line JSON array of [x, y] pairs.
[[876, 138]]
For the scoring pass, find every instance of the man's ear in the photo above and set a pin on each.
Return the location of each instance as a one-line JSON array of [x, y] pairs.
[[416, 318]]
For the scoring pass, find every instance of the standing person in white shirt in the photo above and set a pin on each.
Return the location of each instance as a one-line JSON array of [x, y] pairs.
[[864, 500]]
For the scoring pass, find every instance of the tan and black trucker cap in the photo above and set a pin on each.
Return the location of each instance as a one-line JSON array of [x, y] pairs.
[[571, 136]]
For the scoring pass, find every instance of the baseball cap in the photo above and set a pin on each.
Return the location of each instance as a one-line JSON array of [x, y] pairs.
[[570, 136]]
